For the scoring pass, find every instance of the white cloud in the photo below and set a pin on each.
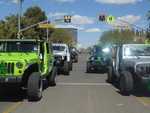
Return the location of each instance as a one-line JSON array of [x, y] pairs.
[[130, 18], [69, 26], [65, 0], [118, 1], [56, 14], [15, 1], [126, 20], [92, 30], [81, 20]]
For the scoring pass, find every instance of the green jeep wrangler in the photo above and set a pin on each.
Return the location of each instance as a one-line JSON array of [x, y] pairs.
[[27, 62]]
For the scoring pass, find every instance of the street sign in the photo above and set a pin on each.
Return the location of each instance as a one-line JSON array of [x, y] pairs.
[[46, 26], [110, 19]]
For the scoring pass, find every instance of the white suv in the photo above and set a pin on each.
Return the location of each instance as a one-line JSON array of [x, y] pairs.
[[62, 57]]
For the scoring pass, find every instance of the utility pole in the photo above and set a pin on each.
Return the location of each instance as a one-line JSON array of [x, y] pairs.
[[47, 30], [19, 18]]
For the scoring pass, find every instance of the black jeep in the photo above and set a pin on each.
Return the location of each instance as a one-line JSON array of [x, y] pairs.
[[130, 67]]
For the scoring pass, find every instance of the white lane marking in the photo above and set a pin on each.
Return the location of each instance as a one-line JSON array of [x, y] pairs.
[[119, 105], [83, 84]]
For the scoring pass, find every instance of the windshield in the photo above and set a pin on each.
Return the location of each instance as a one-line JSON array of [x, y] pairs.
[[58, 48], [18, 46], [137, 50]]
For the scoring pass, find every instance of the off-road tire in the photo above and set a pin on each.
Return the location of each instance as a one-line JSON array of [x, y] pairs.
[[71, 66], [66, 68], [76, 59], [126, 83], [88, 68], [52, 77], [35, 86], [110, 75]]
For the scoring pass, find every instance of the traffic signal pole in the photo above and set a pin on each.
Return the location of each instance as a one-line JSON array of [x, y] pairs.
[[31, 26], [47, 30]]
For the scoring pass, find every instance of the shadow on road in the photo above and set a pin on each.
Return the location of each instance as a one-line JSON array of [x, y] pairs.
[[96, 72], [138, 92], [15, 93], [11, 94]]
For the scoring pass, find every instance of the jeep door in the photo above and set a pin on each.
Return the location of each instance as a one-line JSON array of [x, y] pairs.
[[50, 57], [44, 56], [117, 61]]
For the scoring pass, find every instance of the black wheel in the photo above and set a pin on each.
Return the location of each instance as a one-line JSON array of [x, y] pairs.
[[88, 70], [35, 86], [126, 83], [52, 77], [66, 68], [71, 66], [110, 75], [76, 59]]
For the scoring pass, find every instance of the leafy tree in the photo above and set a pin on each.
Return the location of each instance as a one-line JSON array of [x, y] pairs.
[[2, 29], [117, 37], [148, 29], [61, 36], [32, 16], [8, 28]]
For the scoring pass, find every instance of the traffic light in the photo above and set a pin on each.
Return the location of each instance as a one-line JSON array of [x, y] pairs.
[[110, 19], [67, 19], [102, 18]]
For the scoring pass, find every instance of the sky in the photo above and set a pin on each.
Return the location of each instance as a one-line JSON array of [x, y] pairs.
[[85, 14]]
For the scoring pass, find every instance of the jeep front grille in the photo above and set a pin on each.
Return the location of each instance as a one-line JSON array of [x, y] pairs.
[[9, 67], [144, 68]]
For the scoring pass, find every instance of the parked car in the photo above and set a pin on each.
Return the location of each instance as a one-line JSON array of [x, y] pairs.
[[62, 57], [97, 62], [27, 62], [130, 67]]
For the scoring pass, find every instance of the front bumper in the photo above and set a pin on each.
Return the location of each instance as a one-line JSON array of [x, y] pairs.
[[10, 80], [97, 66], [145, 80]]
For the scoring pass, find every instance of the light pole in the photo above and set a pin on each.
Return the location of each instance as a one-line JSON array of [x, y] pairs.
[[47, 30], [19, 17]]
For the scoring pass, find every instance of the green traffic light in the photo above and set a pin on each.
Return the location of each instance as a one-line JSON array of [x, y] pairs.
[[110, 19]]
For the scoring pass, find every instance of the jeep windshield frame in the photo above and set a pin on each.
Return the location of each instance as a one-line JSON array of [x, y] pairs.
[[18, 46], [136, 50]]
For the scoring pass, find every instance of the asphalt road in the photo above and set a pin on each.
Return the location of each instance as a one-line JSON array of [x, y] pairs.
[[78, 93]]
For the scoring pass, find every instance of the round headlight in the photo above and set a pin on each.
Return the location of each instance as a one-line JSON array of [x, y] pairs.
[[19, 65]]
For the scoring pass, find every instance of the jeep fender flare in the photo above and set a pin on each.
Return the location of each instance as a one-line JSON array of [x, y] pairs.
[[34, 67]]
